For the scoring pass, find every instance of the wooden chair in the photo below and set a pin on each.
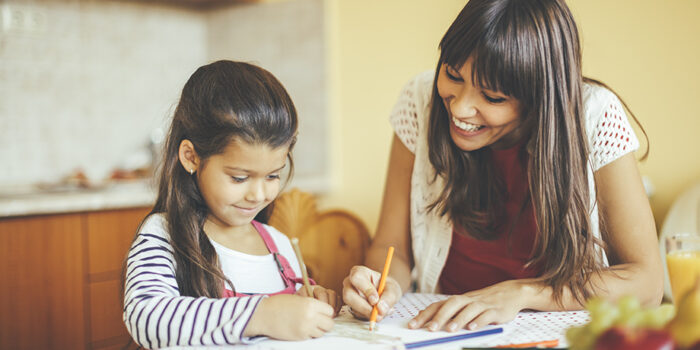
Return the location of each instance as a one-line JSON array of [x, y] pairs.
[[331, 241]]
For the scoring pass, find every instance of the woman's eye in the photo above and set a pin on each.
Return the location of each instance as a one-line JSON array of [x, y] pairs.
[[452, 74], [239, 179], [493, 99]]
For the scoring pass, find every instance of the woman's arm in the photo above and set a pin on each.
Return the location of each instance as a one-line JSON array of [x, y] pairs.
[[632, 249], [393, 229]]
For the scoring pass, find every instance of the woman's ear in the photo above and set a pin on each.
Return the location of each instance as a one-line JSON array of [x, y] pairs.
[[188, 156]]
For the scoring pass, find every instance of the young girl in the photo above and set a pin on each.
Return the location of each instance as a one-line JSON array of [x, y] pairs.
[[201, 271], [501, 161]]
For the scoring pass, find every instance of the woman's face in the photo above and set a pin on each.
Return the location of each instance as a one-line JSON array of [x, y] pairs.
[[478, 117]]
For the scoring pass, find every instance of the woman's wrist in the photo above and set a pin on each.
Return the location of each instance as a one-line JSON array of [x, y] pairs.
[[532, 294]]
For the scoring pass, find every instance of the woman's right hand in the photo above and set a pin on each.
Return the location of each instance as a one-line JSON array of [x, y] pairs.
[[290, 317], [360, 292]]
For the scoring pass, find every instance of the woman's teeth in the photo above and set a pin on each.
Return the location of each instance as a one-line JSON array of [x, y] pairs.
[[466, 126]]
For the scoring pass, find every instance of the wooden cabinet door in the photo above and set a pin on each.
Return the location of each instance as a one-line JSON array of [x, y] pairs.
[[109, 237], [42, 289]]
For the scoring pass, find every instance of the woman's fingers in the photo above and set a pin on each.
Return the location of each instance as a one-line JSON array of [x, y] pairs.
[[356, 288], [425, 315], [465, 318]]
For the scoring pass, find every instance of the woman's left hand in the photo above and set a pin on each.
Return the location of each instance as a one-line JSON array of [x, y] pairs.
[[325, 295], [495, 304]]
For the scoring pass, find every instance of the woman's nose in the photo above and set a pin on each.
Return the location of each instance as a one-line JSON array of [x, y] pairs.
[[463, 105]]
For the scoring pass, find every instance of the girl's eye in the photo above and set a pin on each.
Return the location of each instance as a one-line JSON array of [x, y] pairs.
[[273, 177], [452, 74], [239, 179], [493, 99]]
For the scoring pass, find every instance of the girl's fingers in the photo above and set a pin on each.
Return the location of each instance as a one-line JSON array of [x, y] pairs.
[[321, 294]]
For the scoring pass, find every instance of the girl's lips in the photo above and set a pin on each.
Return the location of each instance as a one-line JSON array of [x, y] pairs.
[[247, 211]]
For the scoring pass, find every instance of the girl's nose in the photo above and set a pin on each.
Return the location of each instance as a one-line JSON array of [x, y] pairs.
[[256, 192]]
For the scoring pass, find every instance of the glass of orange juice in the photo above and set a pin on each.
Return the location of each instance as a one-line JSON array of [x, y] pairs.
[[683, 261]]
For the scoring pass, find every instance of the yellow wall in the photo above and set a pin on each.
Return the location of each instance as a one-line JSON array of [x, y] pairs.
[[646, 50]]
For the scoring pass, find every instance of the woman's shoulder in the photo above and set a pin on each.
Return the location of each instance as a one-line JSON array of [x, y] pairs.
[[596, 94]]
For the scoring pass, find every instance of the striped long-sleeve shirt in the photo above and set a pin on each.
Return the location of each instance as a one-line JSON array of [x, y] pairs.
[[157, 315]]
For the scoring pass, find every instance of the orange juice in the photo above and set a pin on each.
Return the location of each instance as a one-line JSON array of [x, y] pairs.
[[683, 269]]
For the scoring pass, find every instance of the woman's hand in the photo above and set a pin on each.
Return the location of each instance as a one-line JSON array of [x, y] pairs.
[[360, 292], [290, 317], [495, 304], [325, 295]]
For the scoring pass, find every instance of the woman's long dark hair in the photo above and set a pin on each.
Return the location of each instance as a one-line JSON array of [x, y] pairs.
[[528, 50], [221, 102]]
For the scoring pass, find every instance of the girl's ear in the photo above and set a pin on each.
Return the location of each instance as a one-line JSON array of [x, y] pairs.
[[188, 156]]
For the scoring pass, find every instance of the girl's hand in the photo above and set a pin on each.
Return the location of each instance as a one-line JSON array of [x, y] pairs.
[[325, 295], [360, 292], [290, 317], [495, 304]]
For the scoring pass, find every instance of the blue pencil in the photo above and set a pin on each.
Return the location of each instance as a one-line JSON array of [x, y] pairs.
[[422, 343]]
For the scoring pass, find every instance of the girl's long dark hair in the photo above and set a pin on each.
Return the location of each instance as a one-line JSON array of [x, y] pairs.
[[221, 102], [528, 50]]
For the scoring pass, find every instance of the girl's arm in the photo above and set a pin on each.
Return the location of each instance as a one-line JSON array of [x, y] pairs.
[[157, 316], [393, 229], [632, 249]]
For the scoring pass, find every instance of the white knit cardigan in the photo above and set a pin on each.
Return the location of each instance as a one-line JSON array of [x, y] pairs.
[[609, 133]]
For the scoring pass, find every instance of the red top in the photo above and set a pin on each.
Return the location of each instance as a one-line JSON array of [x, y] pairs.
[[474, 264]]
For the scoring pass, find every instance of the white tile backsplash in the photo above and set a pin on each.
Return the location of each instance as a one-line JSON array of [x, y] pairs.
[[86, 84]]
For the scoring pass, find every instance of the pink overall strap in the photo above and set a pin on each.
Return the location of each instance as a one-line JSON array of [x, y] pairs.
[[287, 273], [288, 276]]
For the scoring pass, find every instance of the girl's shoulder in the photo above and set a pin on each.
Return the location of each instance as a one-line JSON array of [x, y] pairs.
[[155, 224]]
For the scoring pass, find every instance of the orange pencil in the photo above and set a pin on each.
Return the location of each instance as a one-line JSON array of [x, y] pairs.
[[380, 290], [537, 344]]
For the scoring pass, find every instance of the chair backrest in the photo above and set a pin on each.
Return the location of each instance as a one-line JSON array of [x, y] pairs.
[[331, 241]]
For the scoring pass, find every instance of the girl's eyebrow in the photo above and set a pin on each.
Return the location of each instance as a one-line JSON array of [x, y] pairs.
[[250, 171]]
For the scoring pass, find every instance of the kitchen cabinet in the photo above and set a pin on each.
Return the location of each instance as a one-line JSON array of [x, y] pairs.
[[60, 279]]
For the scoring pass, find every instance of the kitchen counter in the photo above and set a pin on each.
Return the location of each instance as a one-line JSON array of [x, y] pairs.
[[23, 202]]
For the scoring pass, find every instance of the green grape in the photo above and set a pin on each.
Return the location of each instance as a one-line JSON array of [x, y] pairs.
[[628, 305], [579, 338], [597, 307], [658, 317], [631, 319], [602, 321]]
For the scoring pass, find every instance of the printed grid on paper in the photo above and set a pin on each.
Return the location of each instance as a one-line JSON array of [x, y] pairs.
[[528, 326]]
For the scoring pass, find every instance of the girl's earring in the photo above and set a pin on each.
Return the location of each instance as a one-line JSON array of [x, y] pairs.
[[191, 171]]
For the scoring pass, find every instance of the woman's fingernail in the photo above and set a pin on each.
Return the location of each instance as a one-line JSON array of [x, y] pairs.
[[451, 327], [471, 326], [383, 306], [412, 324], [432, 326]]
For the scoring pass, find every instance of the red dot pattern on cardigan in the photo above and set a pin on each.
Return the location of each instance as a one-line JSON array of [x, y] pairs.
[[405, 119], [613, 136]]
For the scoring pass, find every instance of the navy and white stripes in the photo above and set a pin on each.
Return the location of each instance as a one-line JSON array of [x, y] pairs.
[[157, 315]]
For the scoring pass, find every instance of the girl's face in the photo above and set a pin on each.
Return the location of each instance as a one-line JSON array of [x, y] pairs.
[[478, 117], [238, 183]]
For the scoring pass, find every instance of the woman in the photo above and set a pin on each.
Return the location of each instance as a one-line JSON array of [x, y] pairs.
[[512, 183]]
